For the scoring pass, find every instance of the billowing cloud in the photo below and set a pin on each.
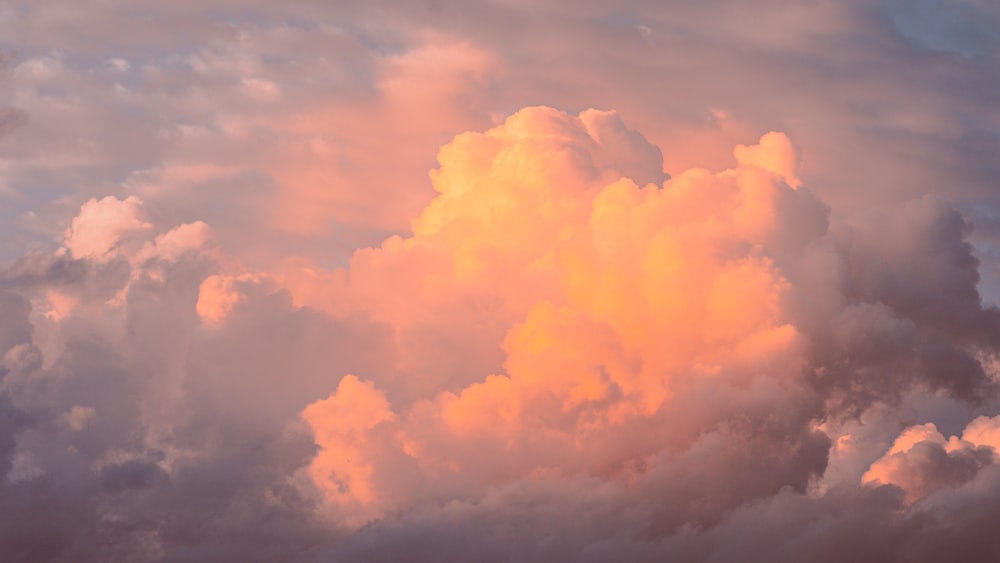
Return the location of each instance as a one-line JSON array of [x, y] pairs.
[[102, 226], [921, 461], [744, 315], [674, 340], [554, 340]]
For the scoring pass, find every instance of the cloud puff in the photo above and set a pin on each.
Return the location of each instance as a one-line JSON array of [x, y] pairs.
[[102, 225], [921, 461], [633, 301]]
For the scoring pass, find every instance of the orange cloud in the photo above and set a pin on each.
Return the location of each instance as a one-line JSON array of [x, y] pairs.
[[615, 302], [218, 294], [342, 424]]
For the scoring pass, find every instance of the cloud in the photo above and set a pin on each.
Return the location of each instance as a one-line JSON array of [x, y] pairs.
[[102, 226], [657, 333], [114, 415], [667, 361], [239, 320], [921, 461], [344, 425]]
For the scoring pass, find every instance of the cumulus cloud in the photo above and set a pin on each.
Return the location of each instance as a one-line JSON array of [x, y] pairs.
[[921, 461], [739, 317], [102, 226], [672, 339], [663, 361]]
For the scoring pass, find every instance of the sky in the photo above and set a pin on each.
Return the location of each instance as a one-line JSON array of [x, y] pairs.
[[499, 281]]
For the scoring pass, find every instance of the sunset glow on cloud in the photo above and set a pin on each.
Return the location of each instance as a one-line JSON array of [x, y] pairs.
[[499, 281]]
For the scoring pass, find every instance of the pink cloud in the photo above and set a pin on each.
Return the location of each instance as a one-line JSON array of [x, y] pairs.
[[103, 225], [240, 320]]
